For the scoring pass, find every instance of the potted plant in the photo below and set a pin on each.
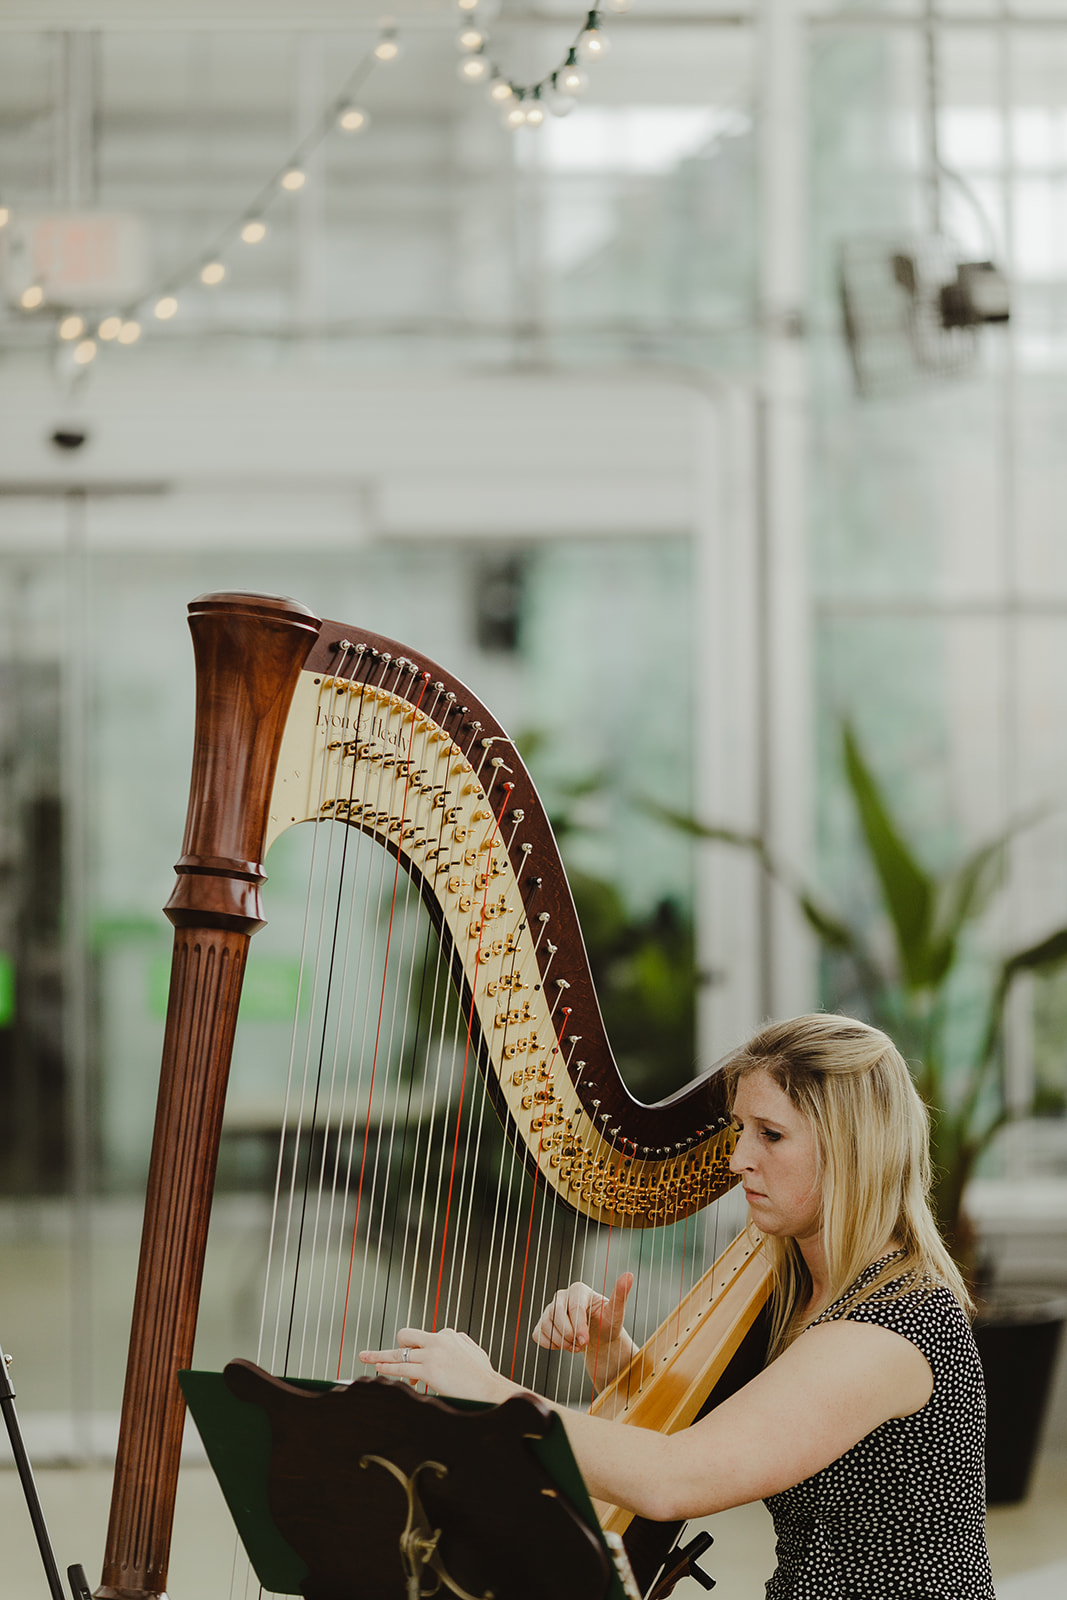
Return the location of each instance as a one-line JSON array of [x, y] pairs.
[[908, 987]]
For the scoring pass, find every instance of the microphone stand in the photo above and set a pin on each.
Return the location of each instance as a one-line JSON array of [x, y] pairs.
[[76, 1574]]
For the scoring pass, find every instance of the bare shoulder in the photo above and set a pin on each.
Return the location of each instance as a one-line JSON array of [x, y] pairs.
[[862, 1353], [834, 1385]]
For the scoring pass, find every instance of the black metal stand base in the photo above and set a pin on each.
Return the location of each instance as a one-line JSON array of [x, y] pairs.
[[75, 1575]]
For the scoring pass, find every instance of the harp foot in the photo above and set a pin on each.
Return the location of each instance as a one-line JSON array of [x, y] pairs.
[[682, 1563]]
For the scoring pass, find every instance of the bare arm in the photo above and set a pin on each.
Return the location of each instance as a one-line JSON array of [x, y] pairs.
[[836, 1384]]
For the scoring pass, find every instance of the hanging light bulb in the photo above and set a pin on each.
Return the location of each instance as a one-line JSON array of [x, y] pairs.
[[467, 5], [212, 272], [535, 111], [570, 78], [294, 178], [515, 115], [501, 91], [388, 46], [254, 231], [31, 297], [110, 328], [473, 69], [620, 7], [84, 352], [72, 327], [352, 119], [165, 307], [470, 39], [593, 44], [130, 332], [557, 102], [5, 216]]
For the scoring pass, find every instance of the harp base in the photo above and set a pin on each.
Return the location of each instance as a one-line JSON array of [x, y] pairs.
[[106, 1592]]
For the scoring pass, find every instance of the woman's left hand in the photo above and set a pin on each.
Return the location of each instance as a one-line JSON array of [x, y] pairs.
[[448, 1362]]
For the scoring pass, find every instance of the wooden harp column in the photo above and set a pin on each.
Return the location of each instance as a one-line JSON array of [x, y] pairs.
[[303, 720]]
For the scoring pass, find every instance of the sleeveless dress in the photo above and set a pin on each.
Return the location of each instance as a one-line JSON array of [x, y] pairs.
[[900, 1516]]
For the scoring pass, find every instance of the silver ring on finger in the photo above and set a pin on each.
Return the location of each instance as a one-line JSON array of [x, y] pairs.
[[405, 1354]]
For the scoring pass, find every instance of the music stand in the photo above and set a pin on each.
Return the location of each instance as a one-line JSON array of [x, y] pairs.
[[370, 1491]]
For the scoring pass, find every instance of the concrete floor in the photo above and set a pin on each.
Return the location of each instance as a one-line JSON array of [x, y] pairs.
[[1028, 1543]]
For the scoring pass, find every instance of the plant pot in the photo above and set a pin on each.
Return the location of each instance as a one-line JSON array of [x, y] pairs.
[[1018, 1336]]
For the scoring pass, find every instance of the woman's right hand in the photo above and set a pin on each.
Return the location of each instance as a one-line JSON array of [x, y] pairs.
[[579, 1319]]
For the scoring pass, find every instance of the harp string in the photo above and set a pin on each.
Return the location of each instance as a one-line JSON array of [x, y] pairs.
[[390, 1142], [408, 1025], [286, 1114], [369, 1008], [327, 1121], [383, 1055], [463, 1079]]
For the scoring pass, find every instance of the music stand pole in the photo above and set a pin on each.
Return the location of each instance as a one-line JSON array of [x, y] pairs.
[[29, 1487]]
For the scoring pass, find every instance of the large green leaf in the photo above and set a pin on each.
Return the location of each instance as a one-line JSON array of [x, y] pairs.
[[908, 891], [1046, 954], [966, 892]]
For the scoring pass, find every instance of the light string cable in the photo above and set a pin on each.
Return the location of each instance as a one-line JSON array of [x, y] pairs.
[[524, 104], [124, 326]]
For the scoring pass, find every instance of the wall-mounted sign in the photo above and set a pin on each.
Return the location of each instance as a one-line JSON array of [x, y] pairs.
[[77, 258]]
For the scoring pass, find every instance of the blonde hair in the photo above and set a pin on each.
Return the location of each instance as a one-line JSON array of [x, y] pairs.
[[852, 1084]]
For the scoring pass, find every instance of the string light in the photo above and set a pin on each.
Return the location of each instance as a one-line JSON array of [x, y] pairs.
[[474, 69], [570, 78], [555, 92], [523, 107], [593, 44], [353, 120]]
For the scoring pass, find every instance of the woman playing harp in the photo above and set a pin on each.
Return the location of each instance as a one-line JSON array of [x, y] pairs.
[[864, 1433]]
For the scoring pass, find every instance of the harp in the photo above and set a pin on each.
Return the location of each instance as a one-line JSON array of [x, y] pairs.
[[301, 720]]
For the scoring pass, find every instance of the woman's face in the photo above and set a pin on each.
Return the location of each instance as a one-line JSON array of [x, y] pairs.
[[777, 1157]]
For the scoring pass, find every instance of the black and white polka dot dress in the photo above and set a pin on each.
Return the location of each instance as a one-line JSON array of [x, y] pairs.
[[900, 1516]]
